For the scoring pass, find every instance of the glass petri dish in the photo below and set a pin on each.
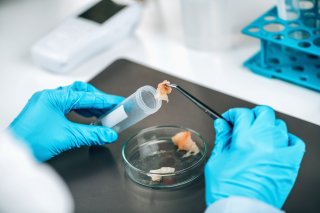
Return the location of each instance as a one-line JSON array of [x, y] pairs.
[[153, 149]]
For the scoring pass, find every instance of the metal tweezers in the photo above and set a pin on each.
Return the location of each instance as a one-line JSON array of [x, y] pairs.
[[213, 114]]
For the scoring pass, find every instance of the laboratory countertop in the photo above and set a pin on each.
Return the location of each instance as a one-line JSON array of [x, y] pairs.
[[157, 43]]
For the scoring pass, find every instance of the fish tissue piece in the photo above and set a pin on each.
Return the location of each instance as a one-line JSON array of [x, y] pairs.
[[163, 170], [163, 90], [184, 142]]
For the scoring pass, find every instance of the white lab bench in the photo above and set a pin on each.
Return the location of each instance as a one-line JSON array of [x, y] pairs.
[[158, 43]]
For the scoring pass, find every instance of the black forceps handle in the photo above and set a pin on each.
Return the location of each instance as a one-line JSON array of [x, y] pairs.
[[213, 114]]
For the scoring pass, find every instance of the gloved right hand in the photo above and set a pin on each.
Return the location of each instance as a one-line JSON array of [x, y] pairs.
[[257, 158]]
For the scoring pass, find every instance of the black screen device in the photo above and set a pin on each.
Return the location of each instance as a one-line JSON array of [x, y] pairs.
[[102, 11]]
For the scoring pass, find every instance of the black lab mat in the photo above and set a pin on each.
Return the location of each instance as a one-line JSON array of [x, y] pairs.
[[96, 175]]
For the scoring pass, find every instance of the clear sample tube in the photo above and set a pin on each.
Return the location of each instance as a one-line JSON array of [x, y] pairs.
[[133, 109], [206, 24], [288, 10]]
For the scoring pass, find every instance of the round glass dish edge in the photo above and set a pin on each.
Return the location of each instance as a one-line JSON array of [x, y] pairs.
[[164, 174]]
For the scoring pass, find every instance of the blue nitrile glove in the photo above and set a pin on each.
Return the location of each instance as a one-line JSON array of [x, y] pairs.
[[43, 126], [257, 159]]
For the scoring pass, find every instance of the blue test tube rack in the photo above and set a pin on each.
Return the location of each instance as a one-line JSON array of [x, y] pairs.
[[290, 50]]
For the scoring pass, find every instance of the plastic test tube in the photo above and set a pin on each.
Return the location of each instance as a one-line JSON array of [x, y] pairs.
[[207, 25], [288, 10], [133, 109]]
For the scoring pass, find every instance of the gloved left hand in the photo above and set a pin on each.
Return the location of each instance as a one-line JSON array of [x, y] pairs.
[[43, 126]]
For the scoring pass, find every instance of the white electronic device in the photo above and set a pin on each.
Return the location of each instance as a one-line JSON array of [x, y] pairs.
[[101, 24]]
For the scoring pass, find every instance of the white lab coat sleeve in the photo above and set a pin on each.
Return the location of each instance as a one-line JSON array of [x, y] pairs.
[[236, 204], [27, 185]]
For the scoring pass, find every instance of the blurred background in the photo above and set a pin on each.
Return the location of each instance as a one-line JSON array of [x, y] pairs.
[[197, 40]]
